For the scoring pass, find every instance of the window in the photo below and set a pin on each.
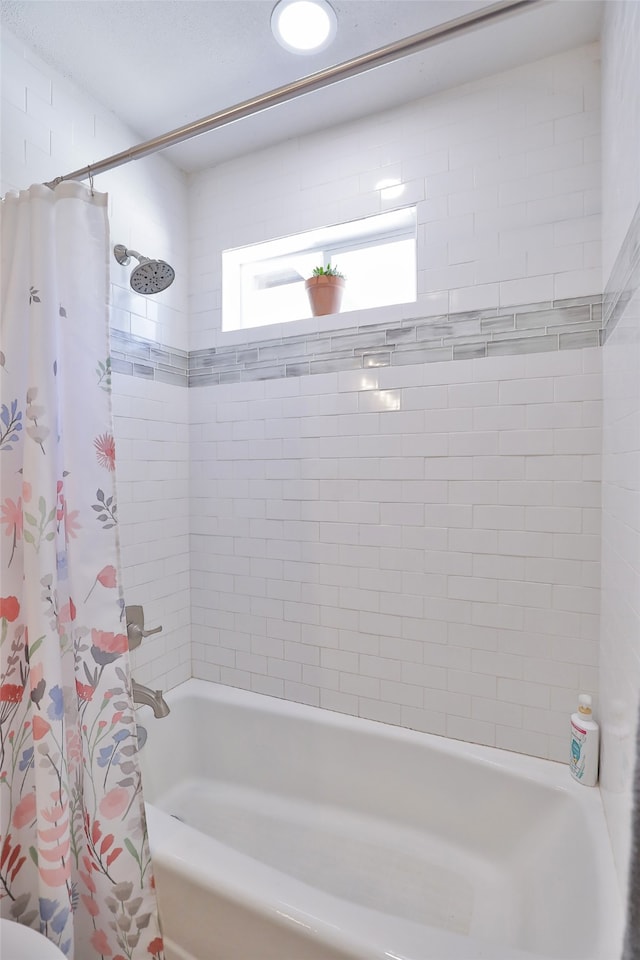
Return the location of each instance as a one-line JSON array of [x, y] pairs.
[[264, 283]]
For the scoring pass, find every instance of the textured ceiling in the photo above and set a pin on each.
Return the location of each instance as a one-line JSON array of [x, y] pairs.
[[159, 64]]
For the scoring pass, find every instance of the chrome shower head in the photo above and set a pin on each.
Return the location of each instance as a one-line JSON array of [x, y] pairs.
[[150, 276]]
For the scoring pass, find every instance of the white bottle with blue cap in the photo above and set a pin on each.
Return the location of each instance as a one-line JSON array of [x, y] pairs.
[[585, 743]]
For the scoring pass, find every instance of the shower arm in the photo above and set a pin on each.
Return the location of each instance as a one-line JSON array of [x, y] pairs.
[[123, 254], [315, 81]]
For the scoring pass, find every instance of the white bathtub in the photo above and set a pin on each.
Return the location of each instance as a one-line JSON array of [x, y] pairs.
[[309, 835]]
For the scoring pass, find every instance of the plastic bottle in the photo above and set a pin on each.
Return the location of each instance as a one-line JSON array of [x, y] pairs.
[[585, 743]]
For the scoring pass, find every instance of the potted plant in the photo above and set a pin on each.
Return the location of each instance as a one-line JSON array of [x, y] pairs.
[[324, 289]]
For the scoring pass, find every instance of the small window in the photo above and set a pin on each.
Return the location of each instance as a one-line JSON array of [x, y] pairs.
[[264, 283]]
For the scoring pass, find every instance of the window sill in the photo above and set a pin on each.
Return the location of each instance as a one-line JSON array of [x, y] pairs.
[[350, 320]]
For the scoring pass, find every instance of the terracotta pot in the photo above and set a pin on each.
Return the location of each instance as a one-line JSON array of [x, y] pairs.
[[325, 294]]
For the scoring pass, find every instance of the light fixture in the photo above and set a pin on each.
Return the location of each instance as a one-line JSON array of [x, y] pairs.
[[303, 26]]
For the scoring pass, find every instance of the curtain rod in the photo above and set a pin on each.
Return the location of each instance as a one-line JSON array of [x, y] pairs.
[[315, 81]]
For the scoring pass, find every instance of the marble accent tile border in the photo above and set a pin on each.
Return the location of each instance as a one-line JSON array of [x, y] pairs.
[[139, 357], [624, 280], [529, 328]]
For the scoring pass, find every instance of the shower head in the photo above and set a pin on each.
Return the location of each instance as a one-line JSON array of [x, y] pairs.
[[150, 276]]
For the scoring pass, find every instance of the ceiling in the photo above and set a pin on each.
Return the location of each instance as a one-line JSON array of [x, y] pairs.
[[159, 64]]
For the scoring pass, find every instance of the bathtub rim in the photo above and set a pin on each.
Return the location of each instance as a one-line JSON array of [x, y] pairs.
[[551, 773]]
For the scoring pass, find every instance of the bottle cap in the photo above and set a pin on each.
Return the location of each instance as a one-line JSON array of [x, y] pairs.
[[584, 704]]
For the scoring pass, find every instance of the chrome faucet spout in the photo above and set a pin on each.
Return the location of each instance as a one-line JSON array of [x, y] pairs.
[[150, 698]]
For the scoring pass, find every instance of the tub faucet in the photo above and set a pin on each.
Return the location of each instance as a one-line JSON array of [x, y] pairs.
[[151, 698]]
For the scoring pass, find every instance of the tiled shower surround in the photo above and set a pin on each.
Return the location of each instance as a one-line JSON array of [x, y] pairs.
[[415, 544], [153, 505], [395, 513]]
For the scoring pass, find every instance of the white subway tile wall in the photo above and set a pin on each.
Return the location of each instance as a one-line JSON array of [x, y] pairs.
[[620, 641], [621, 125], [49, 127], [415, 544], [433, 565], [505, 172], [153, 504]]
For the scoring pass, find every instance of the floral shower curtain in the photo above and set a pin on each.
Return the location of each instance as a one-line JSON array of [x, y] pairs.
[[74, 856]]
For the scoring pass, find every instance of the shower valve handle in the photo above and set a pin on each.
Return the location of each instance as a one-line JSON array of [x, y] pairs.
[[137, 631], [135, 626]]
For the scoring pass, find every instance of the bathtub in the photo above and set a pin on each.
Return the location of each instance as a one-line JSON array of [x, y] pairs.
[[285, 832]]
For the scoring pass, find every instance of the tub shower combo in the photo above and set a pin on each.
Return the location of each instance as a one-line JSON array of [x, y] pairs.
[[284, 831]]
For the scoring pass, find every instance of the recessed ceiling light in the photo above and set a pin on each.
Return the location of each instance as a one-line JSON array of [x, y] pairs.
[[303, 26]]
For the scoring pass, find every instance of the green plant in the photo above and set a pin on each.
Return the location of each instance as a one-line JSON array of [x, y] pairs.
[[327, 271]]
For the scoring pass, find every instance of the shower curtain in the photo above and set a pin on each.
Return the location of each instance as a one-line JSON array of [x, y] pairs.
[[74, 856]]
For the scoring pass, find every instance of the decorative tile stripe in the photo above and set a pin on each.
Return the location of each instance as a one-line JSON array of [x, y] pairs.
[[146, 359], [625, 277], [532, 328]]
